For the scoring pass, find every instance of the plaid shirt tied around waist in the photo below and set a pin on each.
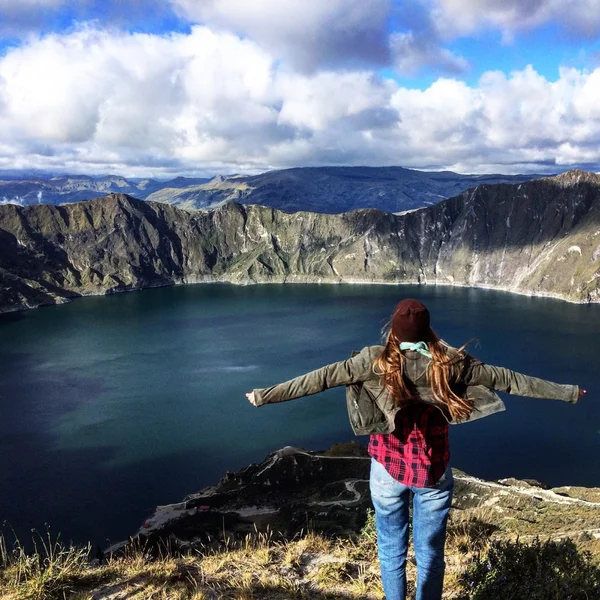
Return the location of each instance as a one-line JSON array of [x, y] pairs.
[[417, 452]]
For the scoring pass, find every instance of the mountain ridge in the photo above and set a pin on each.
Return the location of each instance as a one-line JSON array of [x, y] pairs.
[[318, 189], [535, 238], [332, 189]]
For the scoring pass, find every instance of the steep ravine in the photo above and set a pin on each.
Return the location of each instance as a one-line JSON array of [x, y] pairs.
[[540, 237]]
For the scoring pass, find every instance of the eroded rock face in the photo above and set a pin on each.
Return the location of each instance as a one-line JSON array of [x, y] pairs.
[[293, 490], [540, 237]]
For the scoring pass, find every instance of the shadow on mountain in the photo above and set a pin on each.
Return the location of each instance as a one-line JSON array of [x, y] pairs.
[[18, 260], [490, 217]]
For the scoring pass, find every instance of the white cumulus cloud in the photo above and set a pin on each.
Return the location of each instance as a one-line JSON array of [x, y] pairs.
[[506, 123], [307, 36], [137, 94], [139, 104], [310, 33]]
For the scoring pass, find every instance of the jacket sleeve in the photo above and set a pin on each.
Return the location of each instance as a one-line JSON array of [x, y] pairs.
[[511, 382], [355, 369]]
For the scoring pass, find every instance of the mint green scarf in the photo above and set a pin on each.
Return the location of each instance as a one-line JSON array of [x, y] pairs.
[[420, 347]]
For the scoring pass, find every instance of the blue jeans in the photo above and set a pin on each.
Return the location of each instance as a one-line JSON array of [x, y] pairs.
[[391, 500]]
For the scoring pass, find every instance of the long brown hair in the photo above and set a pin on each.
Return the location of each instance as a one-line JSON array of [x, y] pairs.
[[391, 365]]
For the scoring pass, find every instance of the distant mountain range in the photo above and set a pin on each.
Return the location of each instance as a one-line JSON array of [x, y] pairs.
[[540, 237], [314, 189], [75, 188]]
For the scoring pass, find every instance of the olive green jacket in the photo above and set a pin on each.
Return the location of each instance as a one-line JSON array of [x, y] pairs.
[[372, 409]]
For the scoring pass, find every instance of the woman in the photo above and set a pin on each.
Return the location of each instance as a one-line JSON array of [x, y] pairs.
[[404, 394]]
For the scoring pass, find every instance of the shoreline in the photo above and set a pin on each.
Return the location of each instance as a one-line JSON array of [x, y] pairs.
[[307, 281]]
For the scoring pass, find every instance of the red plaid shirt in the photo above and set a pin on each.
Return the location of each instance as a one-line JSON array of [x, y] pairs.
[[417, 452]]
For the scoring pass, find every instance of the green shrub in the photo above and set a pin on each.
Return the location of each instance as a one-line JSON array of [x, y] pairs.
[[540, 571]]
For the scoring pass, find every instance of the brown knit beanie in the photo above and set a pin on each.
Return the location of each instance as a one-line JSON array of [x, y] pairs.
[[411, 322]]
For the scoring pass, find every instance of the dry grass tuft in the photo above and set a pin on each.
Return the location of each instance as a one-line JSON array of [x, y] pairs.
[[257, 568], [50, 571]]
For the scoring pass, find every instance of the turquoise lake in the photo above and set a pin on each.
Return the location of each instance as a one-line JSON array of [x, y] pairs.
[[112, 405]]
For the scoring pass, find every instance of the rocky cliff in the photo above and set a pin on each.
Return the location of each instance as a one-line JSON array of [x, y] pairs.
[[328, 492], [540, 237]]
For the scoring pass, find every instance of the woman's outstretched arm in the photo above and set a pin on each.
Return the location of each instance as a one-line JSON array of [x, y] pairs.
[[505, 380], [345, 372]]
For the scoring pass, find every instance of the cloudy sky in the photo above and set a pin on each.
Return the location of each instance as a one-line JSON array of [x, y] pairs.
[[199, 87]]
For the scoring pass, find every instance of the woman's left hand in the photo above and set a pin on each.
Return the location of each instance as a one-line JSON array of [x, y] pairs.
[[251, 398]]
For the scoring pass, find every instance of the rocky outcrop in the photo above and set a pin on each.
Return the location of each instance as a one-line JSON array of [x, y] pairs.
[[290, 491], [540, 237], [293, 490], [573, 177]]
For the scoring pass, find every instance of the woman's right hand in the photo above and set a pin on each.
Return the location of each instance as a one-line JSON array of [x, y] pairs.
[[251, 398], [581, 393]]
